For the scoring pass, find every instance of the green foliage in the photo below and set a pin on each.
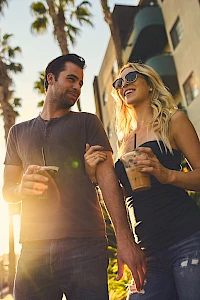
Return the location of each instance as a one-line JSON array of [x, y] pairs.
[[7, 54], [82, 14], [7, 67], [65, 10], [186, 168], [72, 31], [64, 31], [38, 8], [117, 289], [17, 102], [15, 67], [195, 196], [40, 103], [39, 87], [39, 25]]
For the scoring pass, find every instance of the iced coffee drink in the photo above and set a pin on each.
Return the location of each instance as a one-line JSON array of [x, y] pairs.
[[51, 173], [139, 181]]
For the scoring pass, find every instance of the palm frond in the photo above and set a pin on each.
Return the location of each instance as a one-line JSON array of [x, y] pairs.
[[39, 25], [72, 32], [38, 9], [82, 14], [13, 51], [39, 84], [5, 39], [15, 67], [17, 102], [40, 104]]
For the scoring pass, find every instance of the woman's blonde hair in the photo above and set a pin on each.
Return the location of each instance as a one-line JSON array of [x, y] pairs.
[[162, 104]]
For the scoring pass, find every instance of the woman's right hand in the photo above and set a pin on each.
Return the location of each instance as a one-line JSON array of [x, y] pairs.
[[93, 156]]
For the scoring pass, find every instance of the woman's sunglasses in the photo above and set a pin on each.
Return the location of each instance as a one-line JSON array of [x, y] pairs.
[[130, 77]]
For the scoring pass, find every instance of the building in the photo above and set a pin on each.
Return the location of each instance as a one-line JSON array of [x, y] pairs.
[[165, 34]]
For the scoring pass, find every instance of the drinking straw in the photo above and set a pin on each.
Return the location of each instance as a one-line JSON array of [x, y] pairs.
[[134, 141], [43, 157]]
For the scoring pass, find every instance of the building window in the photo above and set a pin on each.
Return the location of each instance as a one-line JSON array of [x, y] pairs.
[[176, 33], [191, 88], [109, 131], [105, 97]]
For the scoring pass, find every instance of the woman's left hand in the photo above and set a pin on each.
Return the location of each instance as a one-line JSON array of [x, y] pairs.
[[93, 156], [149, 163]]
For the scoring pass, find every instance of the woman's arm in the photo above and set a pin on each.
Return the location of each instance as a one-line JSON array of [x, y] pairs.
[[187, 141], [184, 138]]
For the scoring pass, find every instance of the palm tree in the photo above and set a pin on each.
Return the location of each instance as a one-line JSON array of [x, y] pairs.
[[114, 30], [8, 66], [61, 13], [8, 106], [39, 87]]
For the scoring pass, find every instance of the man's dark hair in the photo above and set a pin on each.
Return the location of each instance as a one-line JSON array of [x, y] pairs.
[[57, 65]]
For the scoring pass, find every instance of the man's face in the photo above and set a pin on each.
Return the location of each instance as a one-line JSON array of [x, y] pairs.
[[67, 88]]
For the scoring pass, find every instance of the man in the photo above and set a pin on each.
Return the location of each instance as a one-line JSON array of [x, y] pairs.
[[63, 237]]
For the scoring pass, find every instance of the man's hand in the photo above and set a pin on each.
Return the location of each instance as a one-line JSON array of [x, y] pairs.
[[33, 183], [129, 253]]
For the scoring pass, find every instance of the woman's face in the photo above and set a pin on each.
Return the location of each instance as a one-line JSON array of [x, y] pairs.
[[134, 92]]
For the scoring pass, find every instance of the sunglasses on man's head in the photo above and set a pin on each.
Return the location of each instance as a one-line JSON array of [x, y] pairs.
[[76, 56], [130, 77]]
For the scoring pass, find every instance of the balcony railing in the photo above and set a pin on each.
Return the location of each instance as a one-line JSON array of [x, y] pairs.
[[148, 37], [165, 67]]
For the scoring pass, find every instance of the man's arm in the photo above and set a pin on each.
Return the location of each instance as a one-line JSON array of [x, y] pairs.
[[11, 186], [128, 251]]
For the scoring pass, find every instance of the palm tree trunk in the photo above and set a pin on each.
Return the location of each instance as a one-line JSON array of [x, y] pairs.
[[58, 20], [9, 115], [114, 30]]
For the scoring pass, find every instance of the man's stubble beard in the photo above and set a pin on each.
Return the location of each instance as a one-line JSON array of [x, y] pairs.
[[62, 102]]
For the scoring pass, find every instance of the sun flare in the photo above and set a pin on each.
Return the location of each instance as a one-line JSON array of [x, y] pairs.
[[4, 229]]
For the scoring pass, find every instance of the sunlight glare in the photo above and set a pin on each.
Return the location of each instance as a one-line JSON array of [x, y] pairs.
[[4, 228]]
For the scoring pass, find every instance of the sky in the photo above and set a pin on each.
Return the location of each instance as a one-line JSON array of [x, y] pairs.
[[37, 52]]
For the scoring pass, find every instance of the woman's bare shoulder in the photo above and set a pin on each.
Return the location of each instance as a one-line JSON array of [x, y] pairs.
[[178, 116]]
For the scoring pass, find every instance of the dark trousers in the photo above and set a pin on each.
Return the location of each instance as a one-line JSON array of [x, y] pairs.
[[76, 267]]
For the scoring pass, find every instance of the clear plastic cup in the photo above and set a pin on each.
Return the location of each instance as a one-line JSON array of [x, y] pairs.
[[51, 173], [139, 181]]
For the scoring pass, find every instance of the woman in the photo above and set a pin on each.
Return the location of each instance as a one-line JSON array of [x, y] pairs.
[[166, 220]]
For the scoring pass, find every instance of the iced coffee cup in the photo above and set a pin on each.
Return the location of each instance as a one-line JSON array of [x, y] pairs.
[[51, 173], [139, 181]]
